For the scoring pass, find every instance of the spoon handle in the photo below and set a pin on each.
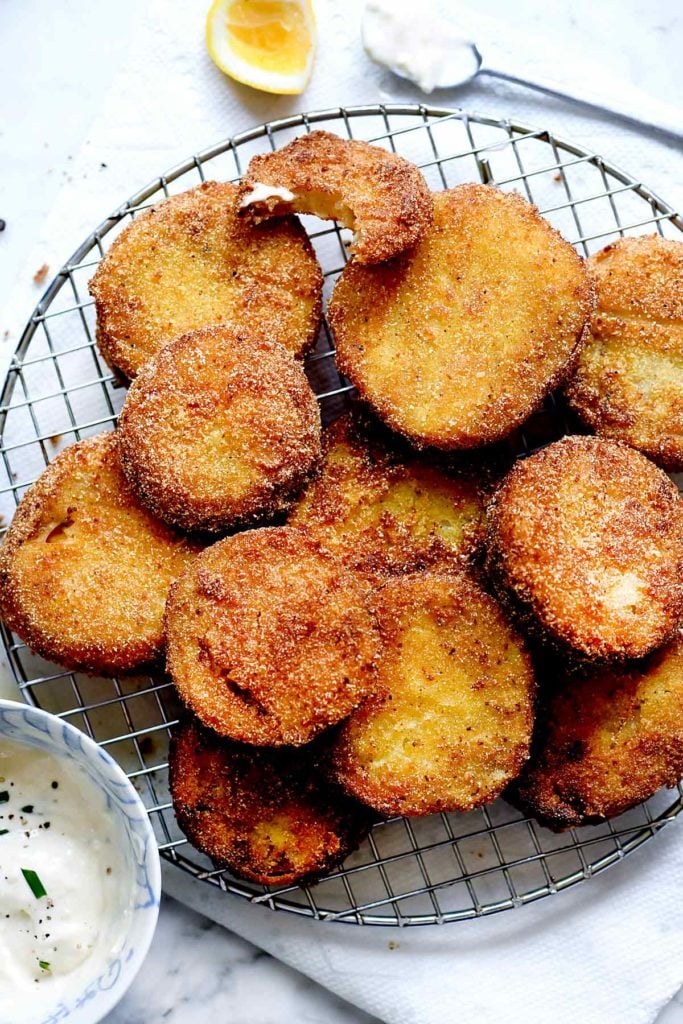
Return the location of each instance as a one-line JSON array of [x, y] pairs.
[[586, 85]]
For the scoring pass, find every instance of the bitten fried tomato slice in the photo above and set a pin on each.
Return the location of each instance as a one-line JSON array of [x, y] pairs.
[[267, 815], [381, 196], [270, 638], [451, 723]]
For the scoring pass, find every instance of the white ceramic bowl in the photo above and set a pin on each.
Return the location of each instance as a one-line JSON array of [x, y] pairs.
[[92, 1000]]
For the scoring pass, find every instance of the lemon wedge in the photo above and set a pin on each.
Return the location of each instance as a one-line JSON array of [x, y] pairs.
[[267, 44]]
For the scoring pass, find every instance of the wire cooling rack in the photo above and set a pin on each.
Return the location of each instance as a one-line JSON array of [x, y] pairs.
[[442, 868]]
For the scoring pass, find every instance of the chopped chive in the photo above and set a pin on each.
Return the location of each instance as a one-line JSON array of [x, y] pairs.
[[4, 797], [44, 965], [4, 831], [34, 883], [28, 809]]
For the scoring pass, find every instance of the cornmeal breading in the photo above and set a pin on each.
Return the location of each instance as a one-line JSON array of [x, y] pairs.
[[387, 509], [605, 741], [451, 721], [629, 379], [191, 262], [586, 538], [84, 569], [219, 429], [270, 637], [381, 196], [267, 815], [455, 343]]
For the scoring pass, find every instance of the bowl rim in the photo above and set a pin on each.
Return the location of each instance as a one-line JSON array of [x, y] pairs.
[[97, 755]]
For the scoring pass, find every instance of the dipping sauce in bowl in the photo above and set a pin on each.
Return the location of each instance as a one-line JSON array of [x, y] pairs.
[[61, 866], [79, 873]]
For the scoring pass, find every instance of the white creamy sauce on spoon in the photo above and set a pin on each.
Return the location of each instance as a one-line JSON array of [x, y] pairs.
[[420, 42], [65, 881]]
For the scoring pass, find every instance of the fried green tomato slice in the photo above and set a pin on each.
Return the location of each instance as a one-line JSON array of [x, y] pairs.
[[84, 569], [379, 195], [586, 538], [270, 638], [267, 815], [605, 741], [451, 723], [456, 342], [219, 429], [629, 380], [191, 262], [385, 509]]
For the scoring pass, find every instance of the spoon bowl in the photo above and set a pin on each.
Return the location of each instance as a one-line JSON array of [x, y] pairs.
[[434, 47]]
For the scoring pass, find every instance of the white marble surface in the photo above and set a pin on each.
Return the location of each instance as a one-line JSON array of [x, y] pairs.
[[197, 970]]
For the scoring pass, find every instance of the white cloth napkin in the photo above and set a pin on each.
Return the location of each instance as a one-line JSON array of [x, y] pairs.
[[608, 951]]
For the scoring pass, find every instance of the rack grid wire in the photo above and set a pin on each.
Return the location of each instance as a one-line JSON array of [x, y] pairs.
[[442, 868]]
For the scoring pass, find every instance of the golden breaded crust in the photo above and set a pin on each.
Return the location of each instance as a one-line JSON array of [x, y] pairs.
[[219, 429], [385, 509], [84, 569], [451, 723], [629, 379], [191, 262], [455, 343], [586, 537], [270, 638], [265, 814], [606, 741], [381, 196]]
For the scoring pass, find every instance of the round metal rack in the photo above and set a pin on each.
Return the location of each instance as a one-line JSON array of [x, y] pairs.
[[442, 868]]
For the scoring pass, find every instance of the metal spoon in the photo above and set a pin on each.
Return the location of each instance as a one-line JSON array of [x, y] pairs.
[[434, 47]]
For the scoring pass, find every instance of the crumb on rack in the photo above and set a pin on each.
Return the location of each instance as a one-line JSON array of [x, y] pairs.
[[41, 274], [146, 745]]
